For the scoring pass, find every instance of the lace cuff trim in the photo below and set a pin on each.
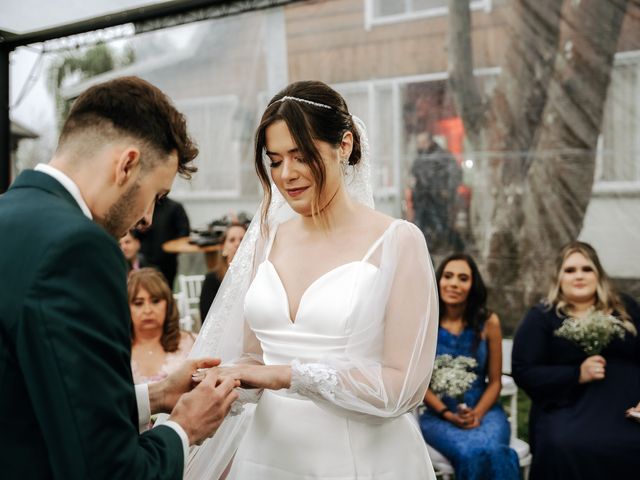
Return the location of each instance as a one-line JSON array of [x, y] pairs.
[[244, 396], [313, 380]]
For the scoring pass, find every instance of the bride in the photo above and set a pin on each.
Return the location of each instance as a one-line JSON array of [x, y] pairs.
[[329, 308]]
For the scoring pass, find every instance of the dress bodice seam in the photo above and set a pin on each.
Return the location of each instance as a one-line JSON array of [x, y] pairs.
[[363, 260]]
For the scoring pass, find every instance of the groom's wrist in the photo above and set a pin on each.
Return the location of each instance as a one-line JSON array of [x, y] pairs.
[[157, 398]]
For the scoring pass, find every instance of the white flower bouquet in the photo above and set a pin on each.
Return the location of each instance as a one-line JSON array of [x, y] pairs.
[[593, 332], [453, 376]]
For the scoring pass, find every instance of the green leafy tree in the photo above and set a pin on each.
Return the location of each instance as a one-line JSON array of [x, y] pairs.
[[80, 66]]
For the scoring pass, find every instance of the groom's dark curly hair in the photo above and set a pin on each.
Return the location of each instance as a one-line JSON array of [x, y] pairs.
[[130, 107]]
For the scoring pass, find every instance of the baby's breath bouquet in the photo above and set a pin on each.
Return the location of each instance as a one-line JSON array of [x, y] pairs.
[[453, 376], [592, 332]]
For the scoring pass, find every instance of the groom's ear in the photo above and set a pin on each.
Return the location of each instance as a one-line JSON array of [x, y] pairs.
[[127, 165]]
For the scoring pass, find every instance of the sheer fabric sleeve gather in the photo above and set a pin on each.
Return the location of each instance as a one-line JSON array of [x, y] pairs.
[[387, 365]]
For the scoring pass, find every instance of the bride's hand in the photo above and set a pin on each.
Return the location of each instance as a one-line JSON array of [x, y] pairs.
[[634, 413], [272, 377]]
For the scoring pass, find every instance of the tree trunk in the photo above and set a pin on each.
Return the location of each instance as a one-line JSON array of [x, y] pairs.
[[535, 138], [562, 169]]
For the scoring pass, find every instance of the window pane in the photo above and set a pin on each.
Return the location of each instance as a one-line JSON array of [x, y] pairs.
[[384, 141], [382, 8], [419, 5], [621, 127], [211, 123]]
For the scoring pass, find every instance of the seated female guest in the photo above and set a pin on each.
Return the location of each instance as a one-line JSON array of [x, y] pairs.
[[230, 243], [159, 346], [474, 439], [577, 424]]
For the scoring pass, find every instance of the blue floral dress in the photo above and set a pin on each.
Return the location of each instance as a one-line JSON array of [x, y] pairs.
[[479, 453]]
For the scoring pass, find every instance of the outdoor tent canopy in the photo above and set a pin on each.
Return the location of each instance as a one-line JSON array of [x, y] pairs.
[[25, 22]]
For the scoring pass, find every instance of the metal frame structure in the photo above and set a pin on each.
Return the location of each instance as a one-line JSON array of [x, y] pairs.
[[145, 19]]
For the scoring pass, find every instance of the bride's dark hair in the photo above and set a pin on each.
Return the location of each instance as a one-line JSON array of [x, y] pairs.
[[307, 122]]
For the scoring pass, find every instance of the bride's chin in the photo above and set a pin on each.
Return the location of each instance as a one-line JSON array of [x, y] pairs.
[[303, 210]]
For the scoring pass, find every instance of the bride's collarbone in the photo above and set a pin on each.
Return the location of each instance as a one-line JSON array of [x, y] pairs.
[[314, 257], [338, 245]]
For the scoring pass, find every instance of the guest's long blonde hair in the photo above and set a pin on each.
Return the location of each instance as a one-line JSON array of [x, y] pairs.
[[607, 299]]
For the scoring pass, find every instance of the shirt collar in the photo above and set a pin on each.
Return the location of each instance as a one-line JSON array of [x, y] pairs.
[[68, 184]]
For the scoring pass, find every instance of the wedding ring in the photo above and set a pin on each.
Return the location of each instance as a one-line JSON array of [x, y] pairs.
[[199, 374]]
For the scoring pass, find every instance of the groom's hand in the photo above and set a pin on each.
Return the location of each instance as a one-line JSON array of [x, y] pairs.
[[164, 395], [201, 411]]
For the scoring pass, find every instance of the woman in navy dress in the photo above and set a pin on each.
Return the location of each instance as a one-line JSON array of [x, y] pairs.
[[578, 427], [474, 439]]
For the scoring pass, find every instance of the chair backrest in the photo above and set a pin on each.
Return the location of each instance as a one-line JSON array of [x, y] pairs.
[[510, 390], [186, 320], [190, 287], [509, 387], [507, 346]]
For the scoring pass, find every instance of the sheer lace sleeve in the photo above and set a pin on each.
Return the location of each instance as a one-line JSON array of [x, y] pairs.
[[387, 365]]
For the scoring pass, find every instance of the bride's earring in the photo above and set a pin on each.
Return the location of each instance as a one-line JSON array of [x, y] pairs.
[[344, 163]]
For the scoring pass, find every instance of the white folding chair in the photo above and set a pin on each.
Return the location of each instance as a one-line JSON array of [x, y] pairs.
[[190, 287], [507, 346], [186, 320]]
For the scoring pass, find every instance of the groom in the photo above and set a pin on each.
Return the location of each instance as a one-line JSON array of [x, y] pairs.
[[68, 408]]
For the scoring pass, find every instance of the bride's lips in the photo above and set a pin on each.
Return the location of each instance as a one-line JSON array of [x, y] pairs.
[[295, 192]]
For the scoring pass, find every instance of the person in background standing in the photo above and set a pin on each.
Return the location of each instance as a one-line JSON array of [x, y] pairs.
[[170, 221], [435, 176]]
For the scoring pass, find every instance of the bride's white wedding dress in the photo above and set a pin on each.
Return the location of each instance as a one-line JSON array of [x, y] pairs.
[[361, 349], [352, 347]]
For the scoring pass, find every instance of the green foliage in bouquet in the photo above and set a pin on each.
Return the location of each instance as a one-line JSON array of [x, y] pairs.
[[593, 332], [453, 376]]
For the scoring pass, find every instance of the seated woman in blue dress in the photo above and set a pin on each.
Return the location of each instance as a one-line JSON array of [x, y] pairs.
[[577, 424], [474, 439]]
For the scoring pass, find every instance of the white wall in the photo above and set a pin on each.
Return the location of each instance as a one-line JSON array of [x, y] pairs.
[[612, 226]]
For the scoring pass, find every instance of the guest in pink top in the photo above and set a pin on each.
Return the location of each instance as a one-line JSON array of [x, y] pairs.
[[158, 345]]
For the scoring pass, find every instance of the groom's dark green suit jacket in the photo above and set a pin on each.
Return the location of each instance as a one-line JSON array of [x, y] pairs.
[[67, 401]]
